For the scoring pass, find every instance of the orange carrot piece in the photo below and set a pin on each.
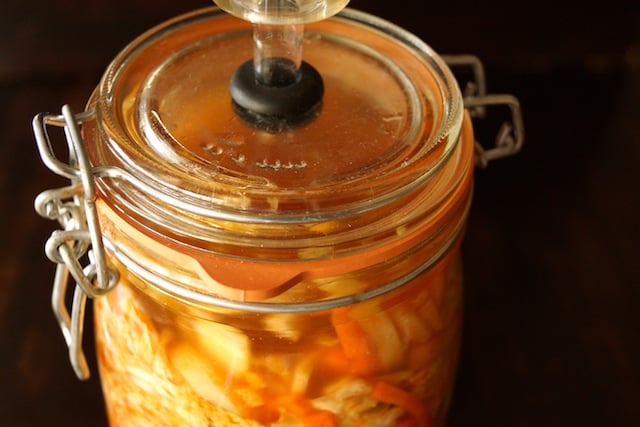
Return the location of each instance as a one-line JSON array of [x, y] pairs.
[[388, 393], [406, 421], [300, 407], [265, 414], [294, 404], [320, 418], [332, 360], [355, 344]]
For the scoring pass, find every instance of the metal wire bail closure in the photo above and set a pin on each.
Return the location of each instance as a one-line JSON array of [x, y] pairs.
[[510, 136], [75, 210]]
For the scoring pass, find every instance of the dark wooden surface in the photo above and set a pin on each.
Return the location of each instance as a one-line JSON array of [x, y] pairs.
[[552, 330]]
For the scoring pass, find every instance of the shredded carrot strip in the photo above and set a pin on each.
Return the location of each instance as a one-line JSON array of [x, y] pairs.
[[320, 418], [355, 343], [297, 405], [265, 414], [293, 404], [332, 361], [406, 421], [388, 393]]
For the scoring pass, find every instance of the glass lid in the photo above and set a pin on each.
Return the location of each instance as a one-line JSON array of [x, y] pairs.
[[389, 116]]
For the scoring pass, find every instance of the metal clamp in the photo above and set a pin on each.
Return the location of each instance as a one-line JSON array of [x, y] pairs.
[[510, 136], [75, 210]]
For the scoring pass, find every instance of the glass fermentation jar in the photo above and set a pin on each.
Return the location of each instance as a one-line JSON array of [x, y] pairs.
[[278, 274]]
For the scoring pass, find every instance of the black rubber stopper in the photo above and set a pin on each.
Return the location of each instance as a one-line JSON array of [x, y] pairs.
[[285, 100]]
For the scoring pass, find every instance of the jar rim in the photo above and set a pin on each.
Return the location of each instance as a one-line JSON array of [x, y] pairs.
[[188, 210]]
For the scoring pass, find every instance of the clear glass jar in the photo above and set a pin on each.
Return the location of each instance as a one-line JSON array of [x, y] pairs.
[[304, 276]]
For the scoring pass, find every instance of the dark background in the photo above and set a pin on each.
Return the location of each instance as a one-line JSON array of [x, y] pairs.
[[552, 330]]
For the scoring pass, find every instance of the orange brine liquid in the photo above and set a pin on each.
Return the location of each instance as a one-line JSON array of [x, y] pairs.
[[388, 361]]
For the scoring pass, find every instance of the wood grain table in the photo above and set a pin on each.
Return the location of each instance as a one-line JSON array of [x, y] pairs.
[[552, 249]]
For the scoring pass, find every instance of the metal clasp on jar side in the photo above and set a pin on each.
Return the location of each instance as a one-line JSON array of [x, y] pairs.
[[510, 136], [74, 208]]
